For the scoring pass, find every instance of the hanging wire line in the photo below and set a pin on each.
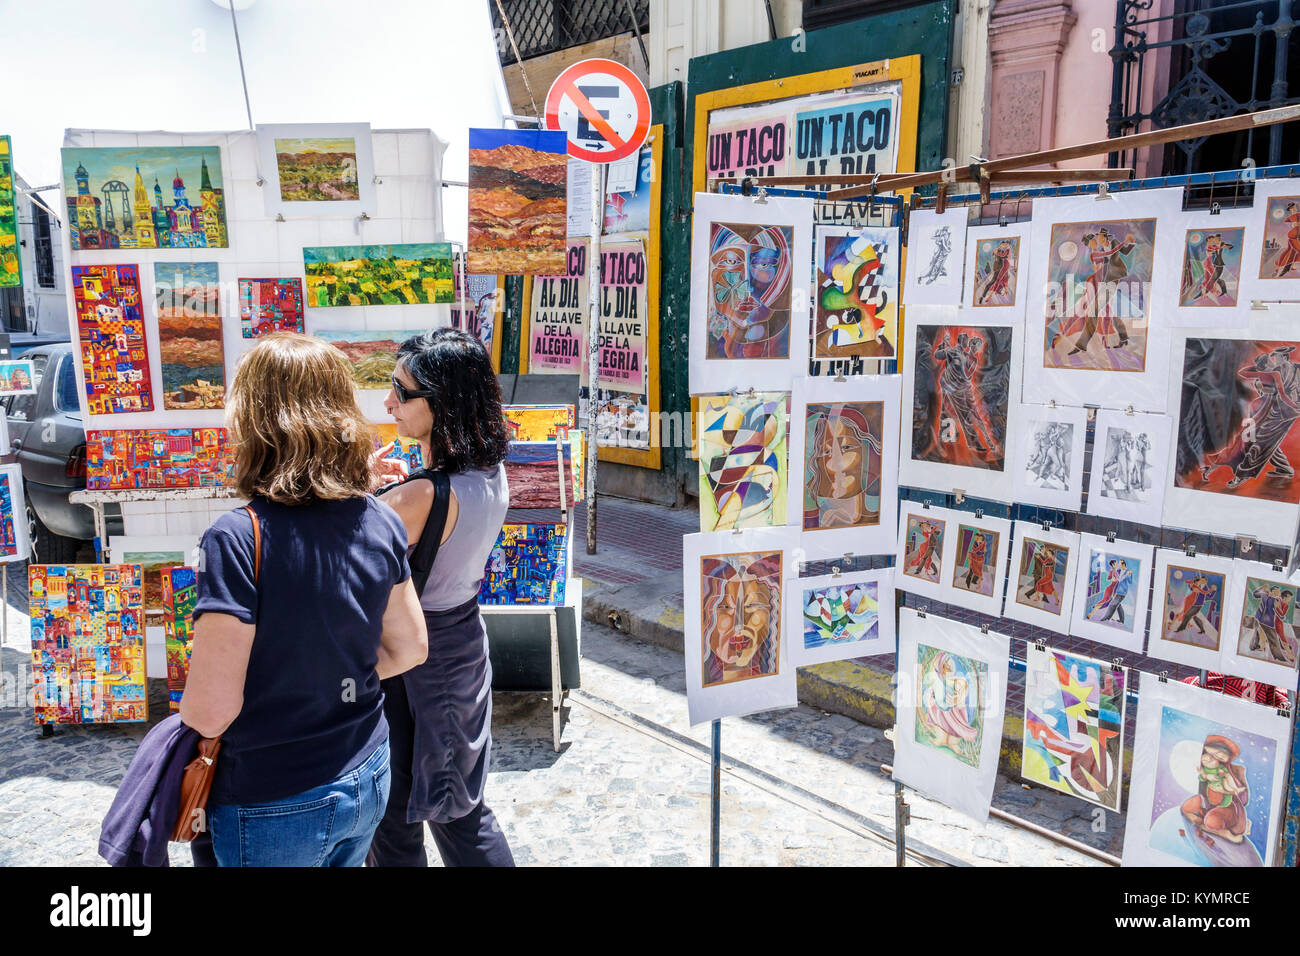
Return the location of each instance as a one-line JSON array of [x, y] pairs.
[[510, 34], [239, 51]]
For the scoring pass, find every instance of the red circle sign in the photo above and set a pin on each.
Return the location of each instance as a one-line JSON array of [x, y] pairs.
[[602, 107]]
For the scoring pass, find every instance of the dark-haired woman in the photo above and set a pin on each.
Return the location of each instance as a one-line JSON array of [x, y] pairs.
[[445, 396]]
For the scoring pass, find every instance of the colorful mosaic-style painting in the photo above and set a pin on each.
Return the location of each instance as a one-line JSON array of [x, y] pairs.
[[528, 565], [743, 460], [104, 212], [88, 664], [841, 471], [841, 614], [408, 450], [1074, 726], [156, 458], [538, 422], [179, 595], [741, 625], [400, 274], [17, 378], [114, 356], [187, 297], [950, 703], [270, 305], [11, 275], [749, 274]]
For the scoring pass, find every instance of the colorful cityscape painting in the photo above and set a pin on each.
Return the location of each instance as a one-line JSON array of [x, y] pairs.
[[14, 545], [110, 326], [187, 296], [11, 275], [528, 565], [404, 274], [406, 449], [270, 305], [179, 595], [88, 664], [156, 458], [17, 378], [372, 355], [538, 422], [117, 198]]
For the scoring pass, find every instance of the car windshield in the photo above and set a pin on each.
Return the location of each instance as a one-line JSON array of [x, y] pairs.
[[65, 396]]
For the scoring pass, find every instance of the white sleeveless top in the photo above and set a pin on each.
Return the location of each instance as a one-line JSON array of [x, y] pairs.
[[483, 498]]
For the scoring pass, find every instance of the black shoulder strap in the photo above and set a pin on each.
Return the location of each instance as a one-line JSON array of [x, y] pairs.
[[426, 550]]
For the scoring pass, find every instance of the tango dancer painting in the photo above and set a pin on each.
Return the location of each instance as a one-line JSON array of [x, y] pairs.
[[961, 394]]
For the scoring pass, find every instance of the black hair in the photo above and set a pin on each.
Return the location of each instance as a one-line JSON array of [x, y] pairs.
[[469, 429]]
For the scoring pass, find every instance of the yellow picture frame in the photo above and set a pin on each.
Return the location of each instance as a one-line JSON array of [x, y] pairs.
[[651, 457]]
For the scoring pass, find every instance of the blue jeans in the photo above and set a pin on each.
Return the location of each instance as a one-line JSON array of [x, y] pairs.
[[329, 825]]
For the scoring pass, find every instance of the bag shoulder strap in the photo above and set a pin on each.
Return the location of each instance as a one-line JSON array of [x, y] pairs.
[[257, 544], [426, 549]]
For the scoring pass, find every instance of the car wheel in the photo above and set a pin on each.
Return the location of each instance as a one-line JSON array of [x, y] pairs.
[[48, 547]]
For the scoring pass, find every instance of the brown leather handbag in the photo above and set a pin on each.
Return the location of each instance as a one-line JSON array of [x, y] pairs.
[[196, 782]]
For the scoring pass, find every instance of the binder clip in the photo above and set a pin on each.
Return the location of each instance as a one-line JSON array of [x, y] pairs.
[[1110, 537], [979, 514], [1278, 565], [1190, 551], [1245, 543], [920, 611], [1163, 677], [1116, 663], [984, 628], [959, 494]]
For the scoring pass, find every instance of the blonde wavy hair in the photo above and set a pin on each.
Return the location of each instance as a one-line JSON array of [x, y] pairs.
[[294, 426]]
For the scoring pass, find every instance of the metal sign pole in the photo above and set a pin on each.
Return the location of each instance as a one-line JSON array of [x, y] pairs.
[[593, 342], [715, 795]]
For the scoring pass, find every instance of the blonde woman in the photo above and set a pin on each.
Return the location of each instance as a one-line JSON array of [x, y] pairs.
[[289, 650]]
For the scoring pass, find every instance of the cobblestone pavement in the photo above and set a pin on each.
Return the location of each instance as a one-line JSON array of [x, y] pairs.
[[629, 787]]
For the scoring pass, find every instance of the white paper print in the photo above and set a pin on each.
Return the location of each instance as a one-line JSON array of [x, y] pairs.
[[836, 617], [1208, 779], [1040, 583], [1211, 289], [1095, 329], [1049, 456], [1236, 447], [997, 268], [936, 252], [843, 443], [734, 587], [1261, 637], [1112, 592], [975, 573], [926, 539], [1130, 466], [1271, 263], [316, 169], [1187, 618], [951, 699], [961, 376], [750, 305]]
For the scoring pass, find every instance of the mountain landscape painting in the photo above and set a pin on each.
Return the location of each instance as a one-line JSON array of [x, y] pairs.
[[372, 355], [517, 204], [188, 299], [317, 168]]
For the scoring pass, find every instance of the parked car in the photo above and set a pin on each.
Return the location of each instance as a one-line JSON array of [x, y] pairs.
[[50, 441]]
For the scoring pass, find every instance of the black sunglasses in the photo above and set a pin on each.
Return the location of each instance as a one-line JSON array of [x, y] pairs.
[[405, 394]]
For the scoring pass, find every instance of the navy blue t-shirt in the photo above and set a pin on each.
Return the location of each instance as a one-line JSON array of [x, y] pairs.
[[312, 705]]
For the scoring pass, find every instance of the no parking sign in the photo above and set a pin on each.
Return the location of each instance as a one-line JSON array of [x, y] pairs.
[[602, 107]]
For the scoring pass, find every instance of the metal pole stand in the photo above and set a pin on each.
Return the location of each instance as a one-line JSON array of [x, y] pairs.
[[902, 817], [593, 343], [715, 795]]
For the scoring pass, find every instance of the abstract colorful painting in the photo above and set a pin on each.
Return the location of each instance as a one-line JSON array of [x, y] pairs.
[[741, 616], [997, 266], [742, 447], [1211, 267], [856, 310], [372, 355], [1207, 780], [749, 313], [14, 543], [397, 274], [117, 198], [950, 703], [187, 296], [961, 393], [270, 305], [517, 201], [923, 552], [17, 378], [11, 272], [1074, 725], [154, 554], [1099, 275], [179, 595], [1236, 427], [110, 325], [842, 462], [1040, 581], [840, 614], [538, 422], [533, 473], [975, 568], [157, 458], [528, 565], [405, 449], [1280, 256], [88, 664]]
